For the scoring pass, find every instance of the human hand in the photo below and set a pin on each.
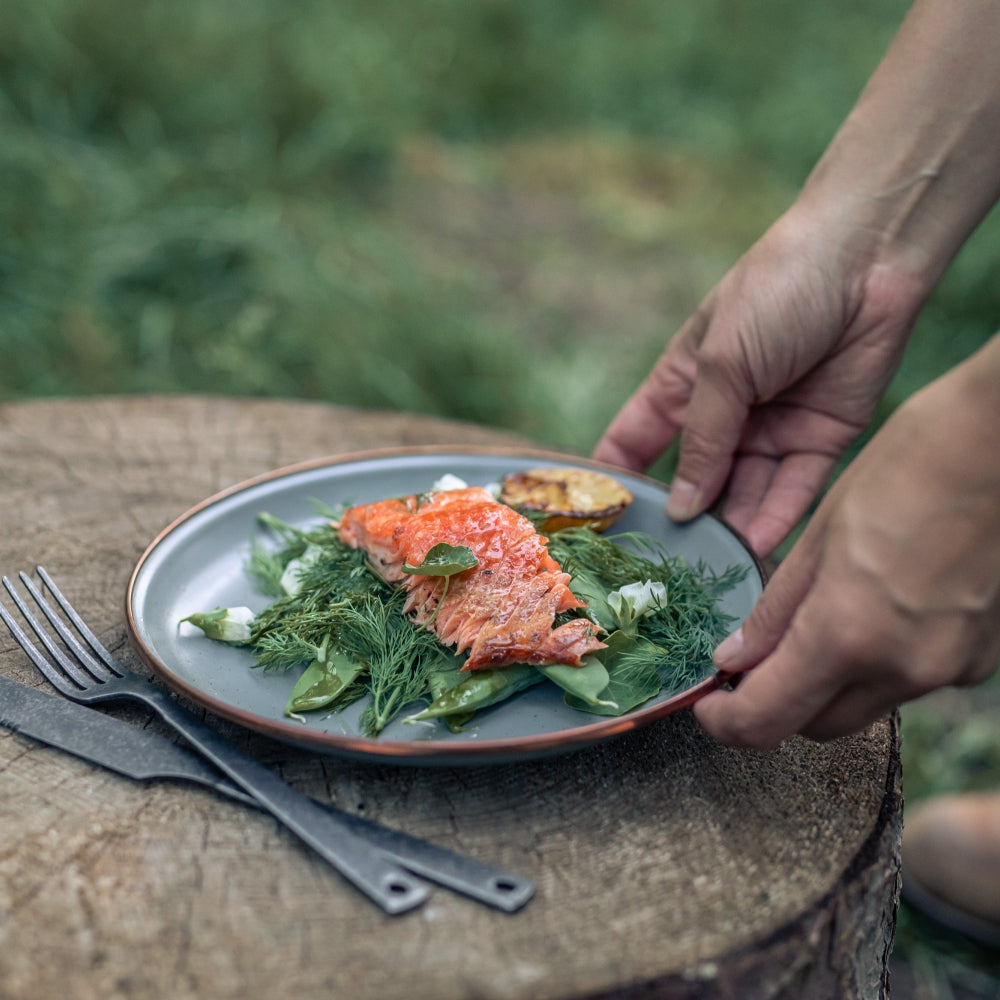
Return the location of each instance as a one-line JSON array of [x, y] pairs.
[[893, 589], [783, 363], [776, 373]]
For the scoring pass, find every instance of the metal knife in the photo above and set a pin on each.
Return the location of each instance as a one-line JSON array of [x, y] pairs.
[[102, 739]]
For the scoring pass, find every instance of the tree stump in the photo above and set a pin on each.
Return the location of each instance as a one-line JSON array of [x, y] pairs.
[[666, 865]]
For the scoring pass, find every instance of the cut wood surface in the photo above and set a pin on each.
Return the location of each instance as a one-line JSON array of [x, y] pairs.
[[666, 864]]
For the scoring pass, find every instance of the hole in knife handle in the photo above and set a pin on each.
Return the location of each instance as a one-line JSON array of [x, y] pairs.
[[505, 885], [400, 887]]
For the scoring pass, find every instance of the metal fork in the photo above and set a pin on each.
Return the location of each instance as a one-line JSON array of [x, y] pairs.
[[86, 672]]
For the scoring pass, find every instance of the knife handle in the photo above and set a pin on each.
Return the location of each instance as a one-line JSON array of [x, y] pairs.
[[497, 888], [387, 883]]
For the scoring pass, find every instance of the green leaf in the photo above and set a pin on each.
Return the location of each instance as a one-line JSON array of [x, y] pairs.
[[444, 560], [591, 590], [632, 677], [444, 675]]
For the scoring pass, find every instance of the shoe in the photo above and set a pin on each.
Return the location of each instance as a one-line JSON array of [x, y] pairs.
[[951, 863]]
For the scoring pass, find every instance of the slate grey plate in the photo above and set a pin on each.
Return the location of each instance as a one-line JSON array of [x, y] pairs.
[[198, 563]]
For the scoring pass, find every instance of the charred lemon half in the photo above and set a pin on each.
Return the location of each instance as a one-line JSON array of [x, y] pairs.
[[565, 498]]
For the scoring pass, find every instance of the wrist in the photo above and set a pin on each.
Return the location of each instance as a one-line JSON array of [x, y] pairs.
[[914, 168], [955, 418]]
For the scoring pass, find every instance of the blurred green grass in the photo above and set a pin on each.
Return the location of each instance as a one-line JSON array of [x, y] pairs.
[[218, 197], [490, 210]]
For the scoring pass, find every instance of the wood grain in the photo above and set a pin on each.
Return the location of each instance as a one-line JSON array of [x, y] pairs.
[[666, 865]]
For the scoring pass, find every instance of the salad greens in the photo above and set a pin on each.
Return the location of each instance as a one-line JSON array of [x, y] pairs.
[[341, 628]]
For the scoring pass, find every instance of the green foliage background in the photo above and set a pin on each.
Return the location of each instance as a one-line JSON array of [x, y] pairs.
[[492, 210], [219, 196]]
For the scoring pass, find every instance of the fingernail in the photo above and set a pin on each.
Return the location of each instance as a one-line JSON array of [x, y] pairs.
[[729, 649], [682, 500]]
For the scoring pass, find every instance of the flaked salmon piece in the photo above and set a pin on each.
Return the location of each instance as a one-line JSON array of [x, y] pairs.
[[502, 611]]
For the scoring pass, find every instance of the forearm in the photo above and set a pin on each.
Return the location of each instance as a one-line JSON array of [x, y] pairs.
[[916, 165]]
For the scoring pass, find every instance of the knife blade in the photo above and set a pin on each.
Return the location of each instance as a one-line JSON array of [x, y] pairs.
[[135, 753]]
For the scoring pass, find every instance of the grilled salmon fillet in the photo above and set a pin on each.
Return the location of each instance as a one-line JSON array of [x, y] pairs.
[[501, 611]]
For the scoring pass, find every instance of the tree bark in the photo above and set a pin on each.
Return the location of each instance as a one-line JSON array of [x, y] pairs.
[[666, 865]]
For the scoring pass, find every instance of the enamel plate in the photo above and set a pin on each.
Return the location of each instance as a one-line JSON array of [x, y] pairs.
[[198, 563]]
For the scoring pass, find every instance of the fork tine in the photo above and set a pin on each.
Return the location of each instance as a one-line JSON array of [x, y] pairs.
[[48, 671], [65, 633], [66, 662], [81, 626], [73, 646]]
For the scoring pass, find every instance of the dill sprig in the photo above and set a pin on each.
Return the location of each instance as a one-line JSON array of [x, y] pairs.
[[265, 568], [400, 658], [337, 574], [615, 559], [678, 638], [335, 601]]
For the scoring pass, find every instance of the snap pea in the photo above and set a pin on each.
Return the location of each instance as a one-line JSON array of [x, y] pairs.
[[323, 681], [585, 683], [632, 676], [443, 678], [480, 689], [232, 625]]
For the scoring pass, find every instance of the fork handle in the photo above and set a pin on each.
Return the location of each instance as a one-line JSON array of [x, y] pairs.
[[327, 833]]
